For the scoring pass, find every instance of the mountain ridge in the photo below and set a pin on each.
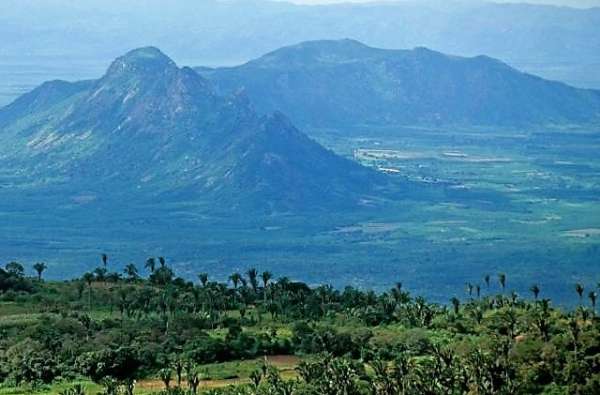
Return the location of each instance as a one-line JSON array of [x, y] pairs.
[[329, 83]]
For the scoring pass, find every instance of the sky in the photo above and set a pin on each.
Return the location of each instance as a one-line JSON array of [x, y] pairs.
[[569, 3]]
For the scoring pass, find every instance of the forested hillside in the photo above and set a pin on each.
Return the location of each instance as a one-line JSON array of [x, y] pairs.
[[128, 333]]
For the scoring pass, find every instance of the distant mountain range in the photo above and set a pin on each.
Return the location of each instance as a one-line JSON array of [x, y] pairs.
[[340, 83], [555, 42], [148, 127]]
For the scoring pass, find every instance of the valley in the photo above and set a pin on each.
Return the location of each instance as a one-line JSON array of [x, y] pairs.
[[154, 159], [299, 197], [471, 201]]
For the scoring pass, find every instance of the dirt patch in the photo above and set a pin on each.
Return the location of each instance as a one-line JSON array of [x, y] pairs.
[[157, 385], [283, 361]]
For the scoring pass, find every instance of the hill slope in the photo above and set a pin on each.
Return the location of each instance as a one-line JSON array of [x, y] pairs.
[[337, 83], [148, 127]]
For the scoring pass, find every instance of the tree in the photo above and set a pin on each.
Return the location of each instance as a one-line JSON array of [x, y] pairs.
[[165, 376], [253, 278], [575, 332], [235, 278], [266, 277], [535, 290], [542, 319], [469, 288], [502, 280], [593, 296], [89, 279], [192, 376], [104, 260], [456, 304], [579, 289], [256, 377], [117, 363], [15, 269], [80, 288], [150, 264], [178, 365], [162, 276], [400, 373], [162, 261], [39, 268], [131, 272], [203, 277], [100, 273], [486, 279]]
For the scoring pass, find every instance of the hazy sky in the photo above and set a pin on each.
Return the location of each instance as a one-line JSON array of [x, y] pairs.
[[570, 3]]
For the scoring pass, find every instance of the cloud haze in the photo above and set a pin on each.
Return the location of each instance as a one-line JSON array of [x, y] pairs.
[[567, 3]]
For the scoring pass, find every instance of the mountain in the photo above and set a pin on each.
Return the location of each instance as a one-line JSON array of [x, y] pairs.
[[555, 42], [339, 83], [149, 128]]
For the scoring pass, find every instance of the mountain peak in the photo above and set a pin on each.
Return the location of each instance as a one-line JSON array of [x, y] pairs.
[[323, 51], [142, 60]]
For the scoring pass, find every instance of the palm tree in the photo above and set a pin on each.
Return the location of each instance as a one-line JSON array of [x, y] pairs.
[[256, 378], [165, 376], [486, 278], [178, 366], [382, 381], [456, 303], [100, 273], [535, 289], [477, 314], [579, 289], [593, 296], [162, 261], [39, 268], [104, 260], [131, 272], [203, 279], [252, 277], [123, 305], [150, 264], [266, 277], [469, 288], [478, 290], [283, 283], [80, 288], [235, 278], [575, 331], [192, 377], [89, 279], [502, 280]]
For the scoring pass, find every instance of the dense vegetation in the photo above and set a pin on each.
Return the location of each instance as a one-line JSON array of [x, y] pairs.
[[114, 329]]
